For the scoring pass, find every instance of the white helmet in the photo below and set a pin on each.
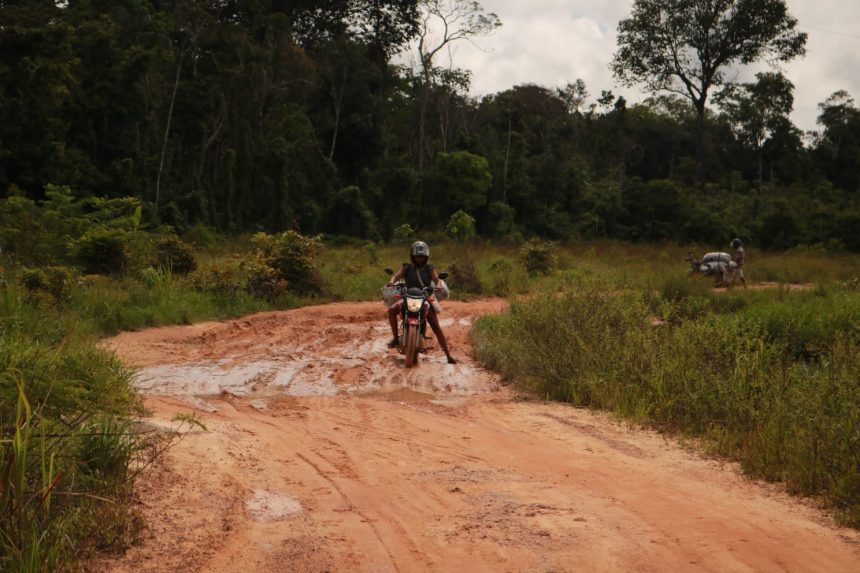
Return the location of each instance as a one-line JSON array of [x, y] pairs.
[[419, 249]]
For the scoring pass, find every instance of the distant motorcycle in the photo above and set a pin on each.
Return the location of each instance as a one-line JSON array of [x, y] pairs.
[[413, 321], [718, 265]]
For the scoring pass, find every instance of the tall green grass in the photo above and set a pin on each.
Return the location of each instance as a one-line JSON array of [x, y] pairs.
[[64, 485], [773, 382], [356, 272]]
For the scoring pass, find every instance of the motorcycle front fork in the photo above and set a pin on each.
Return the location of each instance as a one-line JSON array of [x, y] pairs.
[[422, 330]]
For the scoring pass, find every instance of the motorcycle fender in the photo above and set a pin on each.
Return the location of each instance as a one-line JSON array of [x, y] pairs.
[[412, 320]]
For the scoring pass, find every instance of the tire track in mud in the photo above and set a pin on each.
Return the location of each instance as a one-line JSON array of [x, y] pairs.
[[434, 469], [351, 508]]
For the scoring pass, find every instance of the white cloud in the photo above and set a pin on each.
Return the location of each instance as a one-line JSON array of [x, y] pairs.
[[552, 42]]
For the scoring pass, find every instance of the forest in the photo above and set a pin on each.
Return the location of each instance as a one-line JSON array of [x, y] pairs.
[[266, 115]]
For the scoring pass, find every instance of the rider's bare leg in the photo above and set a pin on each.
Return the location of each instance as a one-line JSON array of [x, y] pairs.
[[393, 314], [433, 319]]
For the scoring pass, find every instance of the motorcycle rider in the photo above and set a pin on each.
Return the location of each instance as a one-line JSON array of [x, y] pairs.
[[418, 274], [740, 258]]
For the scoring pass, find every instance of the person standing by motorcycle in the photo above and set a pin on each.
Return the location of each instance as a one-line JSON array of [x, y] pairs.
[[418, 274], [740, 258]]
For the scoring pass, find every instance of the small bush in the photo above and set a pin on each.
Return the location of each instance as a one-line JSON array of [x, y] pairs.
[[538, 257], [465, 277], [33, 280], [403, 234], [677, 288], [202, 236], [225, 282], [371, 251], [101, 251], [284, 263], [501, 270], [461, 226], [53, 282], [174, 254], [153, 277]]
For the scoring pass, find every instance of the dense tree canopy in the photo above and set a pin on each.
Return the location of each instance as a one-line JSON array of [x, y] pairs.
[[275, 115], [687, 46]]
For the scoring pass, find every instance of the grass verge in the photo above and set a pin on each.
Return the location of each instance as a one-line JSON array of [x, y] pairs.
[[769, 379]]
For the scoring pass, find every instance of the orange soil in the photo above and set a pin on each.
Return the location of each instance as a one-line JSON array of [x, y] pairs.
[[324, 454]]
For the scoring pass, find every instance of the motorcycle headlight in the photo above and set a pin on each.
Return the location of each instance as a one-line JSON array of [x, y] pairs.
[[414, 304]]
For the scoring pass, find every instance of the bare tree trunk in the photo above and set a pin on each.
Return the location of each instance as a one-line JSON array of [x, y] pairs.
[[338, 107], [700, 142], [422, 122], [444, 120], [426, 63], [507, 159], [167, 128]]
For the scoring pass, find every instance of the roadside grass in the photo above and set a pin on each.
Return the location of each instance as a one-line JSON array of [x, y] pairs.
[[356, 273], [770, 378], [69, 456], [67, 451], [63, 461]]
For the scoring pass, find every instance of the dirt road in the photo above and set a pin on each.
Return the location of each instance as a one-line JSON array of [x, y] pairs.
[[324, 454]]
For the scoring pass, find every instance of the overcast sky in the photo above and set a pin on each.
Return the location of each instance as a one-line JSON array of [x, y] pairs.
[[552, 42]]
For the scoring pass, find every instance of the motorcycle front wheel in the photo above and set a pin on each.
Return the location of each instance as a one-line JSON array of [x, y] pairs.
[[411, 349]]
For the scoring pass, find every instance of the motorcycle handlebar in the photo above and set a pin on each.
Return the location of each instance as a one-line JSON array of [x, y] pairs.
[[401, 286]]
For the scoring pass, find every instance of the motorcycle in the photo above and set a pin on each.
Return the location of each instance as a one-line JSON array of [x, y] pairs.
[[413, 316], [720, 266]]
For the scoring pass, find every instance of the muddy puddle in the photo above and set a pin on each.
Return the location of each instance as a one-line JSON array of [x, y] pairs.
[[432, 378], [271, 355]]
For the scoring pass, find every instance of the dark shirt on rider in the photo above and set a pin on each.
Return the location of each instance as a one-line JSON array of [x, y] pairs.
[[411, 275]]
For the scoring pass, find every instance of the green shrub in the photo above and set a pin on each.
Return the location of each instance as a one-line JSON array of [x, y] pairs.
[[33, 280], [225, 282], [348, 214], [403, 234], [174, 254], [502, 221], [153, 277], [371, 250], [682, 298], [202, 236], [464, 275], [284, 263], [102, 251], [461, 226], [52, 385], [53, 282], [501, 270], [107, 448], [677, 288], [538, 257]]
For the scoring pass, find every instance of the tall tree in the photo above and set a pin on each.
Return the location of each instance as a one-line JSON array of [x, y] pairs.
[[838, 144], [444, 23], [757, 110], [687, 46], [38, 77]]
